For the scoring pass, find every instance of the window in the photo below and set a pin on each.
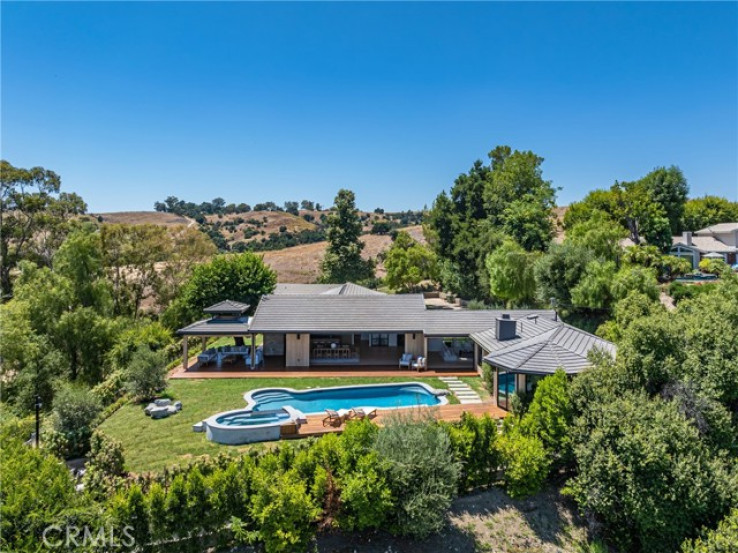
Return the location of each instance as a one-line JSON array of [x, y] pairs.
[[505, 389], [379, 340]]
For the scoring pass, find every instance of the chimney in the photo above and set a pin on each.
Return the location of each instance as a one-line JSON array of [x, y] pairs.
[[506, 328], [687, 238]]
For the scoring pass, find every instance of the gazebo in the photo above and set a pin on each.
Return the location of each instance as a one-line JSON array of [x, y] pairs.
[[227, 318]]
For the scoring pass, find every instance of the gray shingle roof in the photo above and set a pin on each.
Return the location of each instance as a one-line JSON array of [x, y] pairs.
[[704, 244], [285, 288], [719, 228], [544, 350], [441, 322], [332, 313], [347, 289], [217, 327], [351, 289], [228, 307]]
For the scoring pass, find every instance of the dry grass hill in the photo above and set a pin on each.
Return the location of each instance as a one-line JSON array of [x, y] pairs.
[[299, 264], [143, 218], [302, 263]]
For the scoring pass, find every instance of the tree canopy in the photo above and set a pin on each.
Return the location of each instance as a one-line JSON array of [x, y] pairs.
[[508, 197], [239, 277], [408, 263], [342, 261], [33, 217]]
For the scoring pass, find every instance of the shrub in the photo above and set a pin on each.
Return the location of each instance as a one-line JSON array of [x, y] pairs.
[[680, 291], [105, 465], [12, 427], [366, 499], [146, 373], [644, 473], [111, 389], [422, 473], [151, 334], [723, 539], [74, 415], [473, 443], [488, 376], [36, 489], [714, 266], [526, 463], [129, 508], [283, 511], [550, 414], [156, 505]]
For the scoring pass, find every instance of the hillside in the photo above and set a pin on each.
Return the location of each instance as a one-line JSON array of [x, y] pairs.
[[302, 263], [143, 218], [293, 264]]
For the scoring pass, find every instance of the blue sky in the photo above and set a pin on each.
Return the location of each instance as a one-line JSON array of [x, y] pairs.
[[132, 102]]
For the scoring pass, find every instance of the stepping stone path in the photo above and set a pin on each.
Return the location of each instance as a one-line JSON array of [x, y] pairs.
[[461, 390]]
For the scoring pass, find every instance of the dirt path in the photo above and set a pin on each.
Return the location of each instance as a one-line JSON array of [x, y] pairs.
[[667, 301]]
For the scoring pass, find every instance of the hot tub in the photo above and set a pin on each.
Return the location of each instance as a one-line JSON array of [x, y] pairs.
[[244, 426]]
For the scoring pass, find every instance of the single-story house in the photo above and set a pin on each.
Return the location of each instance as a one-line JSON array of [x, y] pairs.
[[718, 241], [346, 325]]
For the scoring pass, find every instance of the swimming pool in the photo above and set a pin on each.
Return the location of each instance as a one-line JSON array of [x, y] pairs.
[[378, 396]]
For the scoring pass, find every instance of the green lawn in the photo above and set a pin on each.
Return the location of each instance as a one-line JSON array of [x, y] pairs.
[[151, 445]]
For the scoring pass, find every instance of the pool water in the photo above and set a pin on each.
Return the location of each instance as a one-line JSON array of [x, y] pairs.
[[381, 396], [249, 418]]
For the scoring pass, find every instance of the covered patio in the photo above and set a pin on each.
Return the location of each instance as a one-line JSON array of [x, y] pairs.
[[227, 319]]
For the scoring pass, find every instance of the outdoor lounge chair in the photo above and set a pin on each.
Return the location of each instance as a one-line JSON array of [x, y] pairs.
[[207, 356], [420, 364], [334, 417], [406, 360], [362, 412], [258, 358]]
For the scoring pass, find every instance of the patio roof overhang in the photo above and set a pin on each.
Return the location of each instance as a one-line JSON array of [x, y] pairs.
[[217, 327]]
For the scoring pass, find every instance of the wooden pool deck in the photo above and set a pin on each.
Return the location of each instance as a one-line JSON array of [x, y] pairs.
[[450, 413]]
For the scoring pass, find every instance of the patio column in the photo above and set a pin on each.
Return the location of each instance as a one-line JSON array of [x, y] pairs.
[[184, 352], [253, 352], [476, 356], [204, 343]]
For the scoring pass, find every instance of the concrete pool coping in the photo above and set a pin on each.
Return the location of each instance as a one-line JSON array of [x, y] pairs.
[[439, 393]]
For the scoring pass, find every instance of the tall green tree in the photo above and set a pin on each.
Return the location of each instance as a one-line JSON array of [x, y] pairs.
[[342, 261], [507, 197], [511, 275], [668, 188], [559, 270], [703, 212], [600, 234], [33, 217], [408, 263], [242, 277]]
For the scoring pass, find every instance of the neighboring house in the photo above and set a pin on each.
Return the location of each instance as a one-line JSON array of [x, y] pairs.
[[347, 326], [718, 241]]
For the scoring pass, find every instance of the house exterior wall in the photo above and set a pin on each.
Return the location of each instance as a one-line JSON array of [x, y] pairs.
[[297, 352], [273, 345], [414, 345]]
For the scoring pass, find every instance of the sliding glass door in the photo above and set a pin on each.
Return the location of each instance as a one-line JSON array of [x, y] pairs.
[[505, 389]]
